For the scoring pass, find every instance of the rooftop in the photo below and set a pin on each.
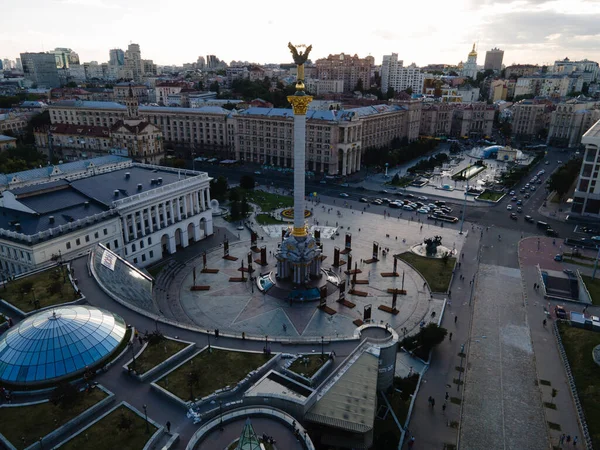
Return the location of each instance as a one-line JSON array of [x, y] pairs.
[[4, 138], [592, 136]]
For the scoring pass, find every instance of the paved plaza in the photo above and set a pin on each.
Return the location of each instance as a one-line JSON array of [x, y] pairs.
[[233, 307]]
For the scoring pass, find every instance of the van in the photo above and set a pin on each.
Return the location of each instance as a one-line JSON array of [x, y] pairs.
[[542, 225]]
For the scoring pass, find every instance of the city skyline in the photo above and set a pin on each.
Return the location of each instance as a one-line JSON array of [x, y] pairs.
[[532, 31]]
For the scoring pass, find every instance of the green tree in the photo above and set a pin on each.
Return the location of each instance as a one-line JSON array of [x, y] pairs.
[[71, 84], [215, 87], [359, 85], [506, 129], [234, 195], [408, 90], [218, 188], [562, 179], [390, 93], [245, 208], [235, 211], [247, 182]]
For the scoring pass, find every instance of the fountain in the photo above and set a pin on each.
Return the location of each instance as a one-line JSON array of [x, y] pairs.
[[216, 209], [432, 248]]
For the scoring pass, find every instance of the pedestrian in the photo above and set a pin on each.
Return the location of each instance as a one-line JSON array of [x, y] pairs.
[[561, 441], [284, 327], [168, 426], [447, 395], [455, 319], [411, 443], [444, 407], [432, 402], [449, 294], [459, 264], [575, 441], [568, 438], [449, 338], [429, 400]]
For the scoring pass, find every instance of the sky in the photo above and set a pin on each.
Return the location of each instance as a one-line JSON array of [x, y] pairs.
[[435, 31]]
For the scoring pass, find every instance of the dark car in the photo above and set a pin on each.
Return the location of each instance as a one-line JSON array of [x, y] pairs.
[[513, 216], [551, 232], [560, 312], [529, 219]]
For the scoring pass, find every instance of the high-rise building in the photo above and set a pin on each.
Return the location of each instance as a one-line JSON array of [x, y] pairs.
[[586, 198], [587, 69], [212, 62], [1, 65], [133, 62], [350, 69], [64, 57], [19, 65], [201, 63], [399, 78], [493, 59], [470, 67], [116, 57], [40, 69], [6, 64]]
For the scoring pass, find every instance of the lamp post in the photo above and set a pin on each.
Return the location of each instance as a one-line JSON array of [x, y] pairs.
[[462, 356], [322, 348], [208, 335], [146, 416]]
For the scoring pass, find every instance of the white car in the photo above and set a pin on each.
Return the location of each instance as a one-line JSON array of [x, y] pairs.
[[423, 211], [423, 198], [509, 207], [408, 208], [343, 194]]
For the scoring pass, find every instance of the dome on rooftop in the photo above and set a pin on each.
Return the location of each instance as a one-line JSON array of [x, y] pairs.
[[58, 343]]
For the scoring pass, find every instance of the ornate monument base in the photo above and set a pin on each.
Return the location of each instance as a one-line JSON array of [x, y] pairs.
[[299, 259]]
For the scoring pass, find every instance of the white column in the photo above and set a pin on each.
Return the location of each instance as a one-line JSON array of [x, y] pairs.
[[197, 201], [171, 210], [299, 169], [185, 203], [125, 229], [207, 198], [178, 206], [134, 224], [343, 162], [164, 214], [150, 219], [142, 222], [156, 214]]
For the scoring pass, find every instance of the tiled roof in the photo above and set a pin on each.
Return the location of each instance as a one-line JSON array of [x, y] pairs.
[[132, 128], [80, 130], [89, 104]]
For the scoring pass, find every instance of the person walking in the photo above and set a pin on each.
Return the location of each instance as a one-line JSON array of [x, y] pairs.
[[568, 439], [450, 339], [411, 442], [561, 441], [447, 396], [575, 441], [429, 400], [455, 319], [432, 402], [444, 407], [168, 426]]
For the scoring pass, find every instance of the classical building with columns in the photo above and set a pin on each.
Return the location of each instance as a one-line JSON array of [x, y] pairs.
[[142, 212]]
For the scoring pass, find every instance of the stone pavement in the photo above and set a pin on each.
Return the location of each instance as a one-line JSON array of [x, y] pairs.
[[431, 427]]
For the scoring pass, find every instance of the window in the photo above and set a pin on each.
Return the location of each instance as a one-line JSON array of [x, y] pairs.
[[149, 241], [87, 238], [105, 232], [143, 257], [68, 246], [151, 254], [142, 243], [133, 247], [116, 243], [135, 260], [96, 235], [77, 241]]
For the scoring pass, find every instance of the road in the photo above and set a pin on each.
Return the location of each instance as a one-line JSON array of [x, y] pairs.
[[480, 213]]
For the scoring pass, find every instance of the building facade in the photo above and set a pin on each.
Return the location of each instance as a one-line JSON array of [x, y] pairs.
[[493, 60], [139, 211], [436, 119], [7, 142], [586, 198], [394, 75], [571, 120], [588, 70], [40, 69], [530, 117], [521, 70], [472, 120], [133, 62], [321, 87], [116, 57], [121, 92], [347, 68]]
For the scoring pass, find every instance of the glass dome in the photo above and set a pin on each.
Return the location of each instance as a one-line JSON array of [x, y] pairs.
[[57, 343]]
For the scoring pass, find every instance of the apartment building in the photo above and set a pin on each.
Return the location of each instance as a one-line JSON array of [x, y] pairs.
[[121, 92], [548, 85], [436, 119], [521, 70], [347, 68], [472, 120], [586, 198], [588, 70], [571, 120], [322, 87], [394, 75], [530, 117], [493, 59]]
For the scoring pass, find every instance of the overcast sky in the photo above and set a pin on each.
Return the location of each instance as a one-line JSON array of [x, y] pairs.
[[433, 31]]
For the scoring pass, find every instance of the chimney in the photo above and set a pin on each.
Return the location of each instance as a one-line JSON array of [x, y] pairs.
[[51, 219], [87, 204], [127, 175], [139, 186], [159, 180], [116, 192]]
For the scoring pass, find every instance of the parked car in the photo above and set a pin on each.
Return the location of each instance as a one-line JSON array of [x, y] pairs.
[[423, 211], [511, 193], [383, 191], [519, 202], [344, 195], [364, 200], [558, 257], [395, 204], [560, 312], [408, 208], [423, 198]]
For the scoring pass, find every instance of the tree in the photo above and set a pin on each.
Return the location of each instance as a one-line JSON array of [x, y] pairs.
[[247, 182], [125, 422], [506, 129], [390, 93], [218, 187], [193, 378], [234, 211], [408, 90], [245, 207], [55, 287], [396, 179], [64, 395], [359, 85], [562, 179], [214, 87], [71, 84], [234, 195]]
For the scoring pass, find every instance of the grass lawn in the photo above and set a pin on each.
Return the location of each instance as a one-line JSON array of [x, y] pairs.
[[155, 270], [107, 434], [36, 421], [593, 286], [41, 281], [490, 195], [265, 219], [267, 201], [153, 355], [434, 270], [214, 370], [579, 344], [577, 261], [308, 370]]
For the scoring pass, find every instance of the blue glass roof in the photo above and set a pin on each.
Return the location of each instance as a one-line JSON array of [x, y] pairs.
[[58, 343]]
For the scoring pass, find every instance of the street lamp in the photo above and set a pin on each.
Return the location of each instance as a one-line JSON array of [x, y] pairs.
[[146, 416], [322, 348], [463, 354]]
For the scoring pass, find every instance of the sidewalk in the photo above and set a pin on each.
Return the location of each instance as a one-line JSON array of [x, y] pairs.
[[431, 427]]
